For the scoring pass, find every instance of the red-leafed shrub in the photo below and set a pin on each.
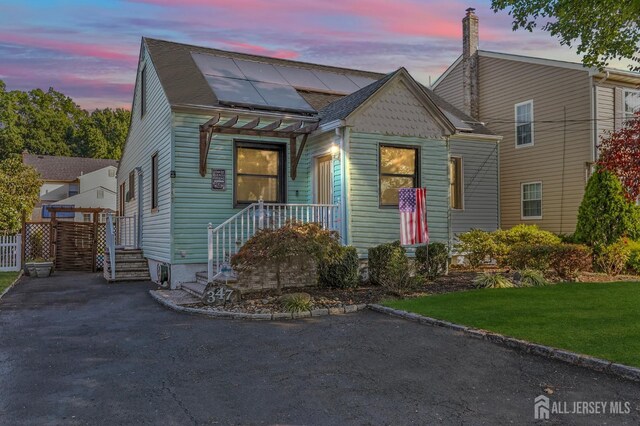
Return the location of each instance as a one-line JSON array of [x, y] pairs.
[[568, 260]]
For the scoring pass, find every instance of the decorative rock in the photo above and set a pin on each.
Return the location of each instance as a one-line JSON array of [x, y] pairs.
[[261, 316], [301, 314], [336, 311], [282, 315], [350, 308], [319, 312], [361, 306]]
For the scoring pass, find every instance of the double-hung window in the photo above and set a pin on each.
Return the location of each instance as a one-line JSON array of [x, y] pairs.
[[398, 169], [524, 124], [259, 173], [532, 200], [631, 101]]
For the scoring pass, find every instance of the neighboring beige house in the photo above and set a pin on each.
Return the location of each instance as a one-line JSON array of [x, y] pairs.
[[73, 181], [551, 115]]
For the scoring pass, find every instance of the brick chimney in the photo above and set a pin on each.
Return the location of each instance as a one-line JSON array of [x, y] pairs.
[[470, 63]]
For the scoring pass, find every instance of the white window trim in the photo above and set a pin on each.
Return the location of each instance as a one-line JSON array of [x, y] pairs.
[[624, 95], [461, 183], [522, 216], [515, 125]]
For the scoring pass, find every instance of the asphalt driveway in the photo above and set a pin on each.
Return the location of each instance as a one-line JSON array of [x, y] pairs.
[[74, 350]]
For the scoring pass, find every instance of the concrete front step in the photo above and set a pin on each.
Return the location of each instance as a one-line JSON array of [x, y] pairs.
[[194, 288], [201, 278], [128, 276], [137, 264]]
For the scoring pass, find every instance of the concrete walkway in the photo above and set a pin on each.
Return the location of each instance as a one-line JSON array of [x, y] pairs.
[[75, 350]]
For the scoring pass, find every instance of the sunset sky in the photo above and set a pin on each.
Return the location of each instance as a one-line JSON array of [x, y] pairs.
[[88, 49]]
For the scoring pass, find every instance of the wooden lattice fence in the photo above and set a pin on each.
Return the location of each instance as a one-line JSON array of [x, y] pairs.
[[37, 241]]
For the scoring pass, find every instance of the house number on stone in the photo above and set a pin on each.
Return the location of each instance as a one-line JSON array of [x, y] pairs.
[[217, 295]]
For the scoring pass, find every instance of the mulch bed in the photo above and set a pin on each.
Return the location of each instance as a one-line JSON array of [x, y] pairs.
[[263, 302]]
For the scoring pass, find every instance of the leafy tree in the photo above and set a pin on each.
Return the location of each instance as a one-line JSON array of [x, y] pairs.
[[50, 123], [605, 214], [19, 192], [602, 30], [620, 154]]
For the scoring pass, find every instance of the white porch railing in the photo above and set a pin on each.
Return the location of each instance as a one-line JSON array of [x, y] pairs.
[[10, 252], [226, 239], [126, 232], [121, 232], [110, 241]]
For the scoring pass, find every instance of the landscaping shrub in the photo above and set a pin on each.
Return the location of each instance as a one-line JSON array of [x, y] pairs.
[[524, 256], [492, 280], [340, 268], [532, 278], [605, 215], [389, 267], [634, 257], [283, 245], [612, 259], [296, 302], [568, 260], [431, 260], [477, 245], [506, 240]]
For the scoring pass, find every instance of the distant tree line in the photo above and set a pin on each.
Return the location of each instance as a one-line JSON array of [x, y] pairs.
[[50, 123]]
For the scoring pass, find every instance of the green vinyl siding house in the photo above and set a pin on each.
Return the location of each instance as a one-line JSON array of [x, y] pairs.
[[223, 143]]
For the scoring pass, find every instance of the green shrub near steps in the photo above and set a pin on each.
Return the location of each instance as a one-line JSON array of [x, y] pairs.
[[431, 260], [384, 259], [340, 268]]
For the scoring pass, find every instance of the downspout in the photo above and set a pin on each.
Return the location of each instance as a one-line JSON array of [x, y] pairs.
[[449, 220], [140, 206]]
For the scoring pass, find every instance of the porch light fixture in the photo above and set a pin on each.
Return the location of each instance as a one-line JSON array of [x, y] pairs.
[[334, 150]]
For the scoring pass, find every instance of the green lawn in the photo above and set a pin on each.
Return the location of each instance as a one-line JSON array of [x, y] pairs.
[[597, 319], [6, 278]]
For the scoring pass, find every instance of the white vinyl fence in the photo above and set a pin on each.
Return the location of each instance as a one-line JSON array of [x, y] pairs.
[[10, 252]]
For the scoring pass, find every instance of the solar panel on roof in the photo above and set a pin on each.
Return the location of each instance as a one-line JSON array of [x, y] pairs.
[[258, 71], [217, 65], [336, 82], [301, 78], [361, 81], [235, 91], [280, 96]]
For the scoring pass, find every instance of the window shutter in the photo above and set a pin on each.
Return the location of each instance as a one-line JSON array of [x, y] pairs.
[[618, 100]]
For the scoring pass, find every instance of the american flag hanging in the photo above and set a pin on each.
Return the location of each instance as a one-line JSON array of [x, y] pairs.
[[413, 216]]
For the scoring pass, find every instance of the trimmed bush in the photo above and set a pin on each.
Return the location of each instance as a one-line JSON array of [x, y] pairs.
[[524, 256], [506, 240], [633, 263], [477, 245], [389, 267], [612, 259], [568, 260], [340, 268], [605, 215], [491, 280], [431, 260]]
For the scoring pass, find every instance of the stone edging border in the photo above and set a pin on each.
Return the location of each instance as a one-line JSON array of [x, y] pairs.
[[6, 290], [260, 317], [597, 364]]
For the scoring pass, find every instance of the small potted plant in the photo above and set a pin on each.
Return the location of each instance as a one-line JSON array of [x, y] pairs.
[[39, 267]]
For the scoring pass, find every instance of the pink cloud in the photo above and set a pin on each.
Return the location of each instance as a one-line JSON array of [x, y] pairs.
[[73, 48], [260, 50]]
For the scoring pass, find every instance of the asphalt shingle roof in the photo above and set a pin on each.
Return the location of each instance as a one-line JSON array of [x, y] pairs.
[[60, 168]]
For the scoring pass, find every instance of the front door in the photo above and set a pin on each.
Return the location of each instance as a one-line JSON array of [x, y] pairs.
[[324, 182]]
